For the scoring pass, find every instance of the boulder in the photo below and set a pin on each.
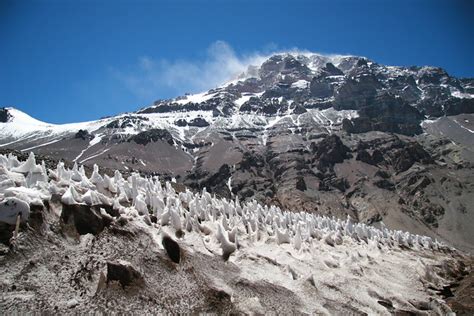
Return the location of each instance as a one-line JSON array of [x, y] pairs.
[[86, 219], [123, 272], [172, 248]]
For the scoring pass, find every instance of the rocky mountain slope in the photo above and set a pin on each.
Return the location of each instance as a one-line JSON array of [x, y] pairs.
[[115, 244], [335, 136]]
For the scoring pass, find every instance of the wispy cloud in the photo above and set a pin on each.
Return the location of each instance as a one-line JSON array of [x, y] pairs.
[[151, 78], [221, 63]]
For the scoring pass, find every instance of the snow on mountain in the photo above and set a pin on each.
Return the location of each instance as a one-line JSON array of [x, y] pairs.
[[301, 84], [236, 249], [282, 83], [335, 135], [195, 98], [21, 124], [23, 128]]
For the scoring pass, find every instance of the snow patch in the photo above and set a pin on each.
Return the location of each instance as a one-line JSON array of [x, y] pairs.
[[196, 98], [300, 84], [461, 95]]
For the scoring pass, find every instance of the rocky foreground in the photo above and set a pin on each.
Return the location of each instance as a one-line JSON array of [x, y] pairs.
[[99, 243]]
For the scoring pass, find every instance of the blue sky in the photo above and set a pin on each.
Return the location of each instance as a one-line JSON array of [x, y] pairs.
[[65, 61]]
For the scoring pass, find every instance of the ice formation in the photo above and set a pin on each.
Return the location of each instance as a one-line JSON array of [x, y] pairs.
[[227, 220], [10, 208], [309, 255]]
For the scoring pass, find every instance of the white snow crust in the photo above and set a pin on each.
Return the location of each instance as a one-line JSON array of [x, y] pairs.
[[302, 252]]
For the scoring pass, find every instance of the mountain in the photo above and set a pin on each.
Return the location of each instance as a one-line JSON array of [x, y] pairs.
[[331, 135], [87, 243]]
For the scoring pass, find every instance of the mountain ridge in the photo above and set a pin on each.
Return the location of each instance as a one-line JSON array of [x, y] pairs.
[[333, 136]]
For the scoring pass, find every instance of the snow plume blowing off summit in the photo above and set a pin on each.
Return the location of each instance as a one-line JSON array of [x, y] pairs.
[[220, 64]]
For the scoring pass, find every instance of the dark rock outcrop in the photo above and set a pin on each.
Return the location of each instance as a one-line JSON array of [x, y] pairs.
[[251, 159], [215, 182], [357, 91], [408, 155], [172, 249], [372, 159], [84, 218], [299, 109], [329, 151], [4, 115], [198, 122], [301, 184], [181, 123], [123, 272], [331, 70], [457, 106], [127, 121], [84, 135], [384, 184], [257, 105], [152, 135], [364, 156], [386, 113], [339, 183], [6, 233], [321, 88]]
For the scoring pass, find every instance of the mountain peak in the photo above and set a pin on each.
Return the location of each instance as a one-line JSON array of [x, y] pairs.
[[299, 60], [298, 125]]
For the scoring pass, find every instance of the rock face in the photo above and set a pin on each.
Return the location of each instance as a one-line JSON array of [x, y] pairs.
[[126, 121], [4, 115], [198, 122], [152, 135], [84, 135], [386, 113], [406, 156], [358, 91], [216, 182], [334, 135], [329, 151]]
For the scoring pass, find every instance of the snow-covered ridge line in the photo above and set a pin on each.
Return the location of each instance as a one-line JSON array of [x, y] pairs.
[[228, 220], [22, 123], [22, 128]]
